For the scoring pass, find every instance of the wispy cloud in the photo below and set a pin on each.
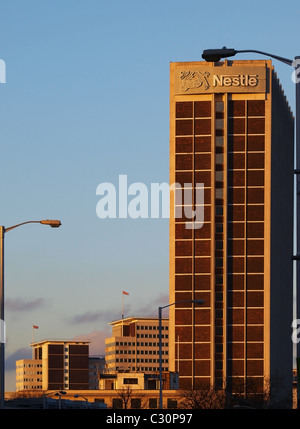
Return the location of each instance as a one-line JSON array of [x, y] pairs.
[[95, 316], [150, 309], [18, 304], [97, 341], [97, 338], [22, 353]]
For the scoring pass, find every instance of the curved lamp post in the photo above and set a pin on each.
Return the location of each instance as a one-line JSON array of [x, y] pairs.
[[58, 393], [81, 396], [3, 230], [193, 301], [216, 55]]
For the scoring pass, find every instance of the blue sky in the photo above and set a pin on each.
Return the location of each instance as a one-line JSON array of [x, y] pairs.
[[86, 99]]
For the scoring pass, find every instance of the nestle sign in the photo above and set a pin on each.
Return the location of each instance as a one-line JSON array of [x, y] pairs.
[[204, 79], [236, 80]]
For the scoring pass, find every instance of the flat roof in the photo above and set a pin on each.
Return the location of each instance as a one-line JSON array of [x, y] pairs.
[[38, 343], [136, 319]]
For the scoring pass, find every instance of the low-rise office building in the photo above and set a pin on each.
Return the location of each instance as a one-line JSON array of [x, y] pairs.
[[29, 374], [134, 345], [96, 367], [138, 381], [56, 364]]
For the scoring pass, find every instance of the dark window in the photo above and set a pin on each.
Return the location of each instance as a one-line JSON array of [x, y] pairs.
[[184, 127], [202, 109], [153, 403], [236, 108], [130, 381], [117, 403], [135, 403], [184, 109], [171, 403]]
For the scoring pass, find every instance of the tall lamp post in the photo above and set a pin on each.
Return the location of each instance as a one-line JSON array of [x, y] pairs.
[[81, 396], [216, 55], [58, 393], [193, 301], [3, 230]]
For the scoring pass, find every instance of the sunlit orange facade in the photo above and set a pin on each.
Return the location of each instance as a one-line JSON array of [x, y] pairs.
[[231, 133], [65, 364], [134, 345]]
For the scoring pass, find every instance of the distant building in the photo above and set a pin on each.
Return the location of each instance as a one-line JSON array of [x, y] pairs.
[[96, 367], [134, 345], [56, 364], [29, 374], [138, 381]]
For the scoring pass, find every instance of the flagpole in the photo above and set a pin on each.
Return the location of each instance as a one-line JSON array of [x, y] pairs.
[[33, 328], [32, 342], [123, 293]]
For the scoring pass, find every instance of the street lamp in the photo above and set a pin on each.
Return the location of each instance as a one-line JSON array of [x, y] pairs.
[[194, 301], [3, 230], [58, 393], [80, 396], [215, 55]]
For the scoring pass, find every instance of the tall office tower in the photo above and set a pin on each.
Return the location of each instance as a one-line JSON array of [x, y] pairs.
[[231, 149]]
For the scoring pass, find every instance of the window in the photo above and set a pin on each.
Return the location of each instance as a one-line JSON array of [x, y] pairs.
[[130, 381], [135, 403], [117, 403], [172, 403]]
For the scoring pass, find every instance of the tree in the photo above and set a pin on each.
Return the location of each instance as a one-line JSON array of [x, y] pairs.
[[129, 398], [204, 398], [263, 393], [27, 394]]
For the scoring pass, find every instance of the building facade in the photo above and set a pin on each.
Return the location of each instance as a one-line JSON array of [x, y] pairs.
[[134, 345], [231, 232], [96, 367], [55, 365], [29, 374]]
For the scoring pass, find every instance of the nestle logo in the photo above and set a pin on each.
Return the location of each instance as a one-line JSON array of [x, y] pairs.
[[197, 79], [236, 80], [194, 79]]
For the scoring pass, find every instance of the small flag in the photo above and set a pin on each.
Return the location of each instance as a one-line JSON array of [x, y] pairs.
[[35, 327], [125, 293]]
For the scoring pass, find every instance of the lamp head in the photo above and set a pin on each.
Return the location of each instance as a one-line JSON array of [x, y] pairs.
[[52, 223], [215, 55], [60, 392]]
